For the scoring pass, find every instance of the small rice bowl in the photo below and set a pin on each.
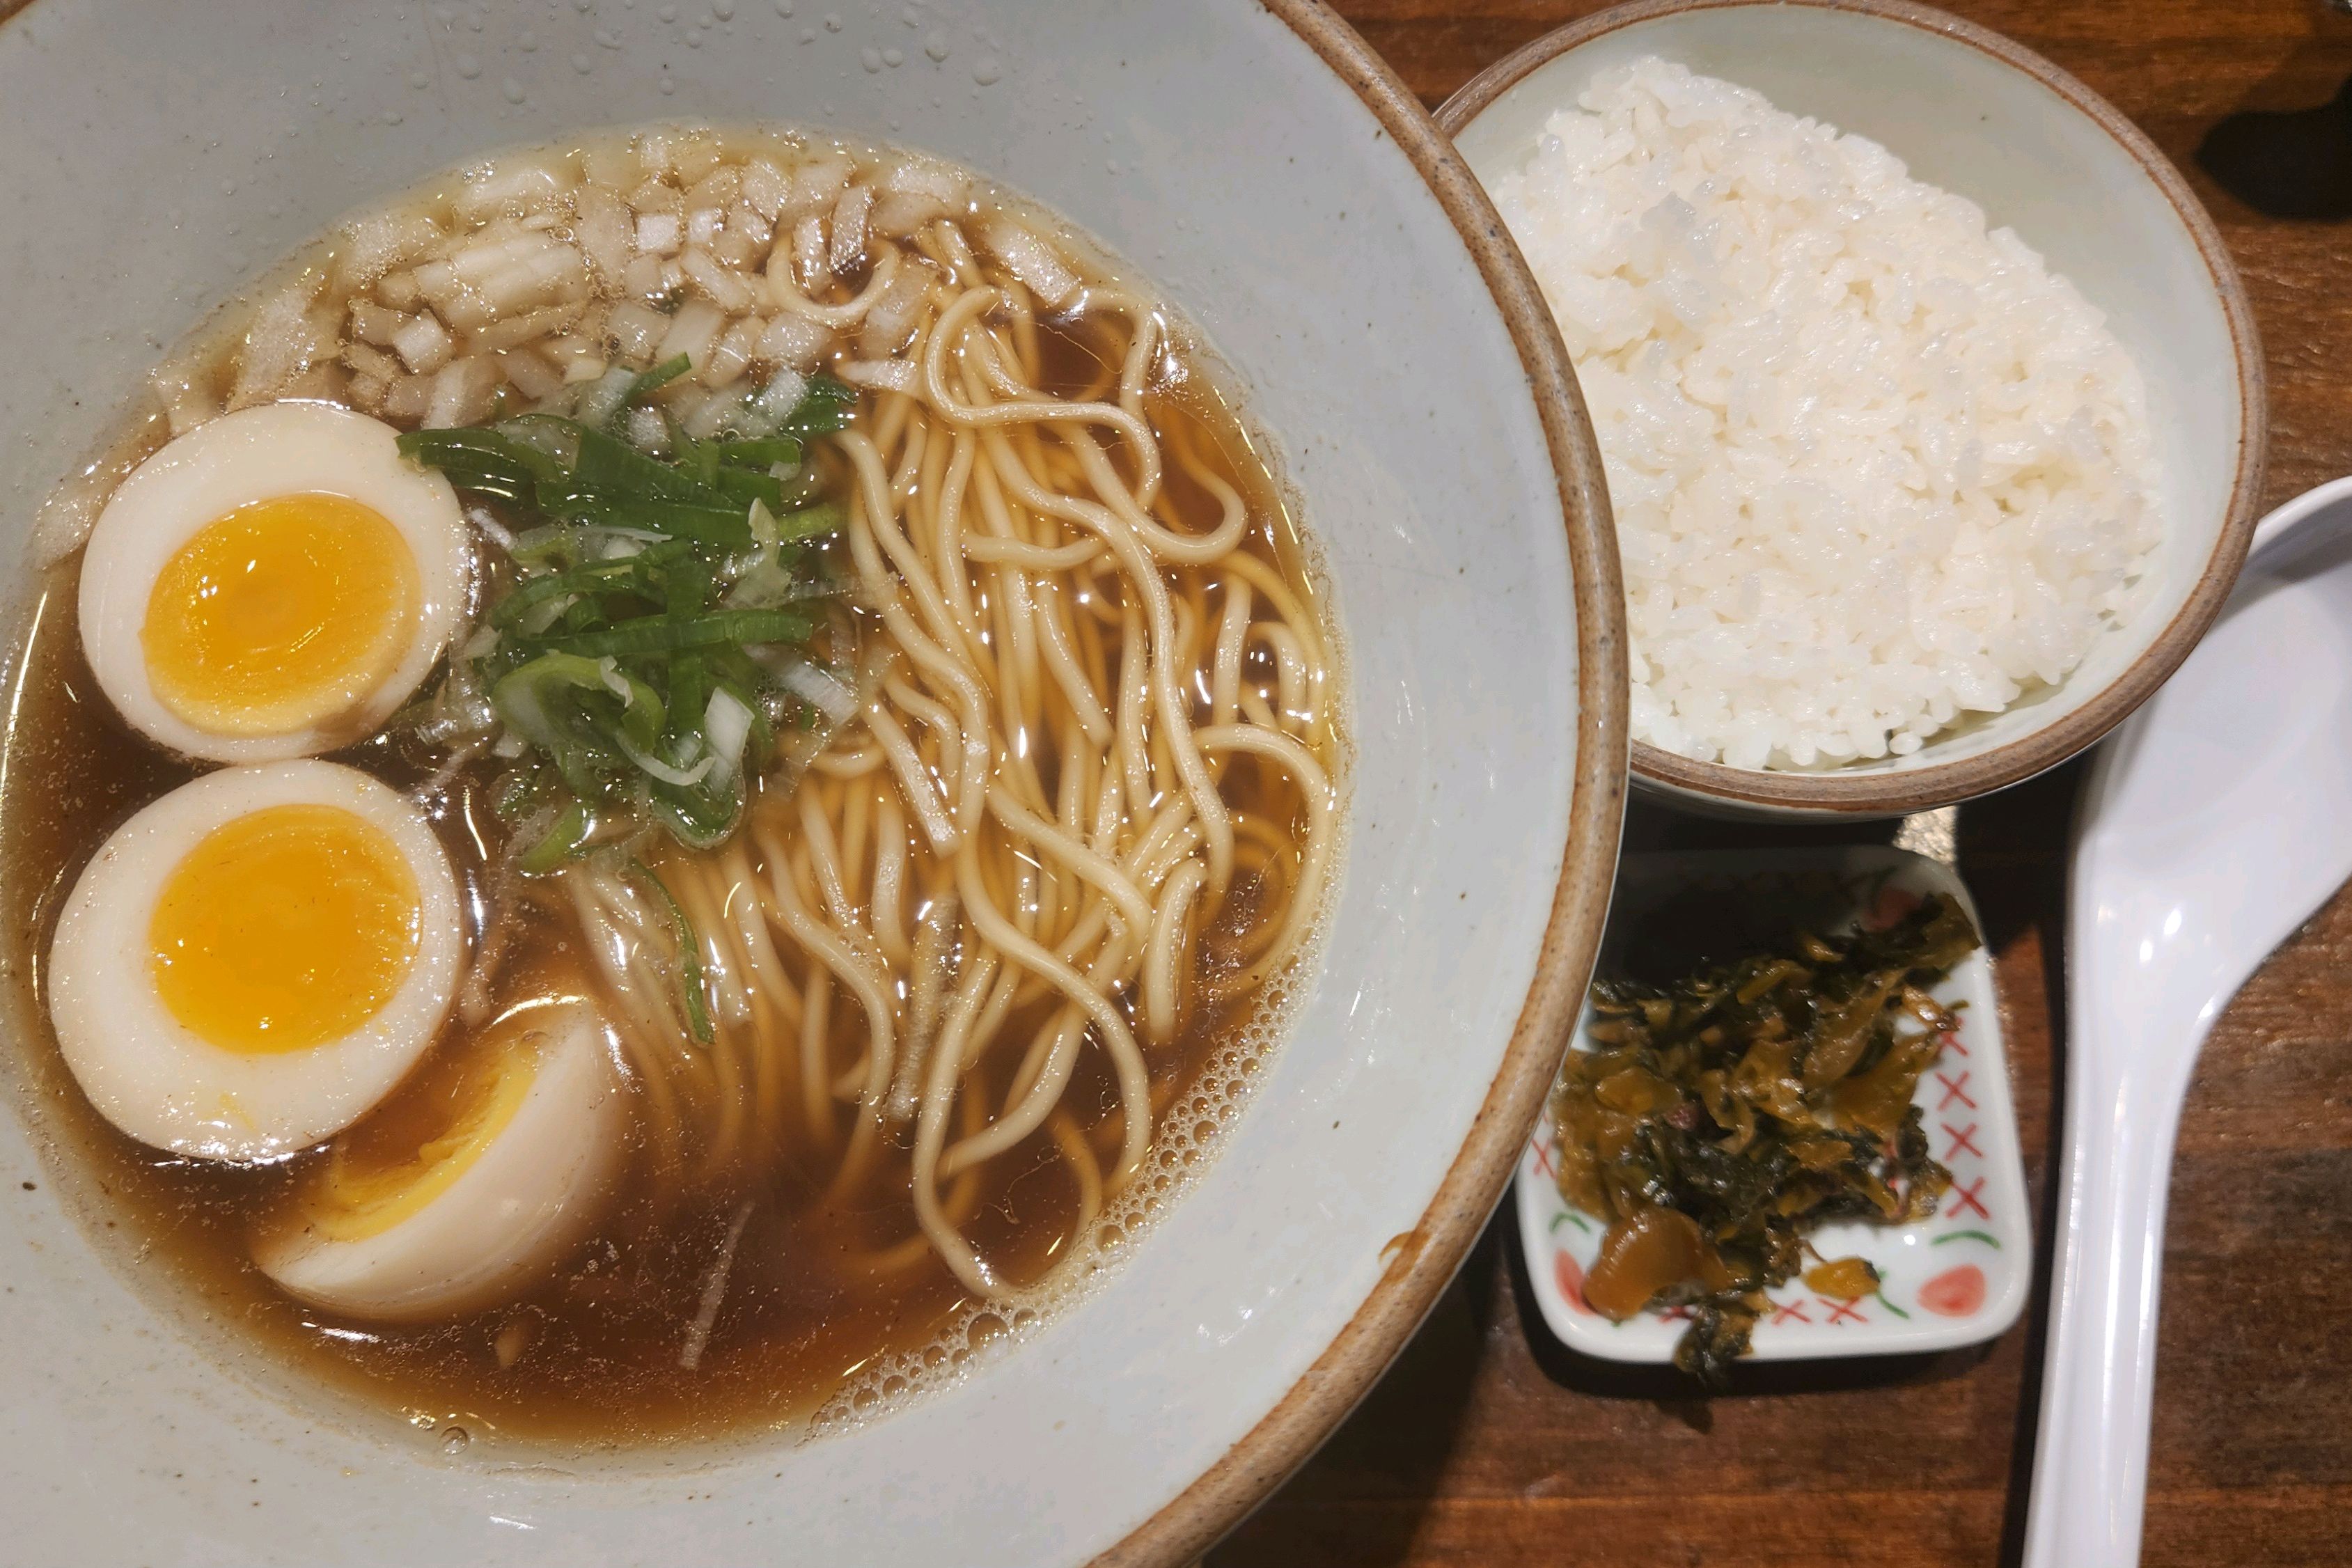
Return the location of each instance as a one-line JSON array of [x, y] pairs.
[[1875, 467]]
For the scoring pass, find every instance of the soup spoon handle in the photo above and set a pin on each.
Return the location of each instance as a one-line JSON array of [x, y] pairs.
[[2090, 1464], [2211, 827]]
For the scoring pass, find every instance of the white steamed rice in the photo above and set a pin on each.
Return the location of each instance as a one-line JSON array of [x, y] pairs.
[[1873, 467]]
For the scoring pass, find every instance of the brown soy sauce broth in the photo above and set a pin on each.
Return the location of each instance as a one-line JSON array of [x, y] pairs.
[[594, 1354]]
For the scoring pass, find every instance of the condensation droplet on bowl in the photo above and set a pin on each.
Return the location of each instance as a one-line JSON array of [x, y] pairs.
[[871, 58], [512, 89], [469, 67], [808, 35], [580, 63], [986, 72], [527, 40], [606, 37], [668, 13], [694, 38], [419, 80], [454, 1440], [936, 45], [784, 8], [1110, 166], [832, 21], [912, 15], [669, 85], [392, 117], [894, 57], [723, 9]]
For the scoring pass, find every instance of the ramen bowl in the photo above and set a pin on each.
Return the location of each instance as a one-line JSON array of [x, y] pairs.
[[1463, 540], [1981, 116]]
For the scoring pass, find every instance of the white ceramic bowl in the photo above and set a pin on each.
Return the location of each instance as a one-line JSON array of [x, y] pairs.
[[1422, 409], [2041, 154]]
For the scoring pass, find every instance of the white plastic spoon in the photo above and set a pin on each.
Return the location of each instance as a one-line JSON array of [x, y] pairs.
[[2213, 823]]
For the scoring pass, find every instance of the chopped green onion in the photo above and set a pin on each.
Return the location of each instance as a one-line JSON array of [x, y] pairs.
[[608, 464], [561, 842], [810, 522], [660, 634], [625, 574], [823, 408], [656, 378], [761, 452], [636, 658], [713, 524], [690, 954]]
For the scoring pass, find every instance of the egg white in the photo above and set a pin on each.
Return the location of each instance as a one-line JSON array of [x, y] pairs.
[[163, 1083], [260, 454], [527, 1199]]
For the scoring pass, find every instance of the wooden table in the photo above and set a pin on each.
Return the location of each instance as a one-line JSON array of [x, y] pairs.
[[1491, 1445]]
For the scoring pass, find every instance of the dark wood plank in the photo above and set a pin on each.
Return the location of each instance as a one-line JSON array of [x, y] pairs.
[[1490, 1445]]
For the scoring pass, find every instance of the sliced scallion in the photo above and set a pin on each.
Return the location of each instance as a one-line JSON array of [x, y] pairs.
[[689, 953]]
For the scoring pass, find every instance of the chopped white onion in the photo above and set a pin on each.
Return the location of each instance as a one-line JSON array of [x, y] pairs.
[[820, 688], [879, 374], [730, 292], [496, 533], [727, 724], [512, 187], [795, 341], [848, 242], [711, 415], [692, 332], [602, 401], [1031, 260], [635, 329], [766, 188], [783, 393], [423, 343], [684, 778], [658, 234], [648, 431]]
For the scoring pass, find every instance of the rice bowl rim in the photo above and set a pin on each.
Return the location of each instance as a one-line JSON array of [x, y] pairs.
[[1919, 783]]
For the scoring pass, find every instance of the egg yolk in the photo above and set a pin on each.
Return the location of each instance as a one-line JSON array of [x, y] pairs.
[[284, 614], [408, 1153], [284, 930]]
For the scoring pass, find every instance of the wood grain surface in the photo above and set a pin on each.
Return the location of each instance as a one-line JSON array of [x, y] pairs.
[[1490, 1444]]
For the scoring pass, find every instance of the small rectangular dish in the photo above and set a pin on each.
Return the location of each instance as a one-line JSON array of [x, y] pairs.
[[1957, 1277]]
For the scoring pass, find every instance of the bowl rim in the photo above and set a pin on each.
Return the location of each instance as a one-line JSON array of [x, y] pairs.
[[1420, 1263], [1926, 787]]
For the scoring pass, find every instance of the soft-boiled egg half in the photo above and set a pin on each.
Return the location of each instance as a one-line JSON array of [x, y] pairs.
[[472, 1181], [273, 584], [253, 962]]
